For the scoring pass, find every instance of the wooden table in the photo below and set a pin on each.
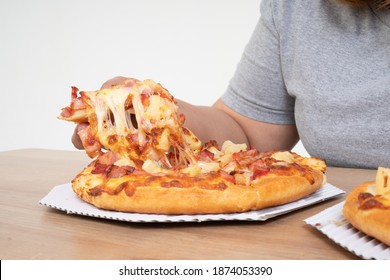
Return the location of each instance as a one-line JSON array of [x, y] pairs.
[[32, 231]]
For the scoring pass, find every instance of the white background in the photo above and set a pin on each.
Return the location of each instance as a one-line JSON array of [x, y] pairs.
[[191, 47]]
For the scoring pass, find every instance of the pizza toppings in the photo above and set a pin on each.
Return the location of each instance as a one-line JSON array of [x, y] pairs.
[[243, 168], [76, 110], [146, 161], [368, 201], [90, 142], [137, 120]]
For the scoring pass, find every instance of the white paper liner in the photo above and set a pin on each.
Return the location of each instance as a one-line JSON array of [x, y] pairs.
[[63, 198], [333, 224]]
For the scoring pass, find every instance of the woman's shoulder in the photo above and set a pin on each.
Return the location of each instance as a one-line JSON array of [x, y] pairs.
[[285, 8], [288, 13]]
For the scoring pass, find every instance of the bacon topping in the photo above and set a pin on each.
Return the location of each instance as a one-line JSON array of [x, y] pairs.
[[98, 190], [172, 184], [75, 104], [100, 168], [259, 168], [211, 143], [258, 172], [247, 157], [364, 196], [370, 203], [128, 189], [112, 171], [66, 112], [206, 155], [105, 165], [108, 158], [227, 177], [119, 171], [91, 145]]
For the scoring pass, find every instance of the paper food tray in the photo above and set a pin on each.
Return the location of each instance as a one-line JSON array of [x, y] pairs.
[[63, 198], [333, 224]]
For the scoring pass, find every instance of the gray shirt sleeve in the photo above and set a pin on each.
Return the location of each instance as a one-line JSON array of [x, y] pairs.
[[257, 89]]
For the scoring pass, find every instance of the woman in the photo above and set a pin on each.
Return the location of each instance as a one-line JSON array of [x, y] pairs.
[[316, 70]]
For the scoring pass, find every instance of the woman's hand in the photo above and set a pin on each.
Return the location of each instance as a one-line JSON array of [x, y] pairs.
[[113, 82], [76, 141]]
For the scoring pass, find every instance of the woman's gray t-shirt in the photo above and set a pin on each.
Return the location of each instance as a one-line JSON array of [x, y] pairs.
[[324, 66]]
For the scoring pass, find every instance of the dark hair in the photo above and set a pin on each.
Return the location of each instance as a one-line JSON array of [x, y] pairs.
[[376, 4]]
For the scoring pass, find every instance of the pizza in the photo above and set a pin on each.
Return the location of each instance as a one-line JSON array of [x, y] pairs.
[[145, 160], [367, 207]]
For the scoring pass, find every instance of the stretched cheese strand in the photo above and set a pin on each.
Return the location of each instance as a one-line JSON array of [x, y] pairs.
[[115, 131]]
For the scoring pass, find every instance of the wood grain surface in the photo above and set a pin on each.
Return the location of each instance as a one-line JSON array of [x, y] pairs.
[[32, 231]]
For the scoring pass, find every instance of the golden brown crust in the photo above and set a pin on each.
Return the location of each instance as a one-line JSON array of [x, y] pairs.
[[279, 189], [374, 221], [145, 193]]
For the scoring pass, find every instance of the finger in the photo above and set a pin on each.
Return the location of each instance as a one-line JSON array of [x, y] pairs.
[[114, 81], [76, 141]]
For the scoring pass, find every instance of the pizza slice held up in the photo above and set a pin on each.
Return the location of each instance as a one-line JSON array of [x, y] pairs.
[[145, 160]]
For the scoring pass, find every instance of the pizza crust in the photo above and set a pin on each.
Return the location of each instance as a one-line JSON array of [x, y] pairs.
[[277, 190], [374, 222], [143, 196]]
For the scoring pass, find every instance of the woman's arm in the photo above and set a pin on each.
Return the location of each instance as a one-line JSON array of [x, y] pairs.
[[221, 123]]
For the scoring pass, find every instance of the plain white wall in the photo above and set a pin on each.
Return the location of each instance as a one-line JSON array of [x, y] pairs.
[[191, 47]]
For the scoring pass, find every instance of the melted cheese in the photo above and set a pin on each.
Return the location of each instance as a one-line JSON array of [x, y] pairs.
[[157, 131], [110, 114]]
